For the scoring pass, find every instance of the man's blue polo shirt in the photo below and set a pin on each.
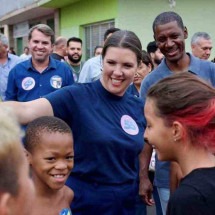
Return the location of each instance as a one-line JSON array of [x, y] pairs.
[[25, 83], [203, 69]]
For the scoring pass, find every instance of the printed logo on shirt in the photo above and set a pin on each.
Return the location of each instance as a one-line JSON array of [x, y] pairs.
[[56, 81], [65, 211], [129, 125], [28, 83]]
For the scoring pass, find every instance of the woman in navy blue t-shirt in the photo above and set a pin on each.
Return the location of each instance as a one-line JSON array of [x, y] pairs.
[[107, 125]]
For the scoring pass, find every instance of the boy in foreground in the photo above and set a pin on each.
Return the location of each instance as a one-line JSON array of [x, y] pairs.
[[49, 148]]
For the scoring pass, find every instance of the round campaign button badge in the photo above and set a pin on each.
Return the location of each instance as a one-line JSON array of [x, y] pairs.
[[129, 125], [65, 211], [56, 81], [28, 83]]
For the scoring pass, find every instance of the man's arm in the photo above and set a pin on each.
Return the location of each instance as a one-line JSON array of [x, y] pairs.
[[11, 91], [145, 186], [69, 78]]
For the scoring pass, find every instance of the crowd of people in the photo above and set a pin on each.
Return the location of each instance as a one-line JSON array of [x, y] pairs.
[[127, 129]]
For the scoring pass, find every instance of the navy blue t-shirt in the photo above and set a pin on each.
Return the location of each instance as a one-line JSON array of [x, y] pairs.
[[107, 130], [133, 90]]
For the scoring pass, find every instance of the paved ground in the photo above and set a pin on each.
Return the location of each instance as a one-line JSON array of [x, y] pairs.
[[151, 210]]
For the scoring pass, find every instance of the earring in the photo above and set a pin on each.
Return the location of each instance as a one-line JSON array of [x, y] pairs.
[[175, 139]]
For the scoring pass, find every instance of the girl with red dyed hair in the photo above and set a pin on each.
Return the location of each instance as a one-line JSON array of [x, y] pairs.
[[180, 113]]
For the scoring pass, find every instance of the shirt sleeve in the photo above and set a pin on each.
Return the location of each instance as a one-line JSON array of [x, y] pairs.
[[11, 91], [213, 73], [62, 103], [70, 78]]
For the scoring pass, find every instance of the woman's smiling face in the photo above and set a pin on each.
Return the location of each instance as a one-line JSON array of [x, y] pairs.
[[119, 67]]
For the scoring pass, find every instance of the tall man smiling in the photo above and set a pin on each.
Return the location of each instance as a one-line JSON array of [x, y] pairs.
[[170, 34]]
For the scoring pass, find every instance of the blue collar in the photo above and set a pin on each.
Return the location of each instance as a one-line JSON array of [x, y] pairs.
[[193, 67], [52, 64]]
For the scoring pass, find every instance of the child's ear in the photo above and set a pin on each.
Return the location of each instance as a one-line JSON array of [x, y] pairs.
[[5, 203], [28, 155]]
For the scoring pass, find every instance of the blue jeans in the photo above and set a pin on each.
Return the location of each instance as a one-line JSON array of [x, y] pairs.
[[164, 194]]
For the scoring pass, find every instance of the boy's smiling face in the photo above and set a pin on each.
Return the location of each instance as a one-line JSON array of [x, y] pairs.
[[52, 160]]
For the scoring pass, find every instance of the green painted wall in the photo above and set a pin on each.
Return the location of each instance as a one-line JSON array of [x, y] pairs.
[[138, 15], [84, 12], [74, 17]]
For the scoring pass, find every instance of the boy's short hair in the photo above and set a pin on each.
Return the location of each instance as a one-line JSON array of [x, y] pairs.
[[45, 124]]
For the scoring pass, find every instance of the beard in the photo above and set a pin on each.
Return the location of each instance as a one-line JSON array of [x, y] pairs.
[[74, 60]]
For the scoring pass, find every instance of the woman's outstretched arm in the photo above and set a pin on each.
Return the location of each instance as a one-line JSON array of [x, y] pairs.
[[28, 111]]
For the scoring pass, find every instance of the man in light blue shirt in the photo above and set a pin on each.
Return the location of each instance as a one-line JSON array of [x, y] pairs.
[[7, 62], [91, 70]]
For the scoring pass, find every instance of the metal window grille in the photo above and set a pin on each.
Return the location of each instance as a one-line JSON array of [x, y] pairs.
[[94, 36]]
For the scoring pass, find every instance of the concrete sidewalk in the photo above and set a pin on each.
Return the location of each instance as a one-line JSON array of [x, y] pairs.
[[151, 210]]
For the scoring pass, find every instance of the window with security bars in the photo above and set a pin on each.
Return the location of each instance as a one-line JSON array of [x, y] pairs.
[[94, 36]]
